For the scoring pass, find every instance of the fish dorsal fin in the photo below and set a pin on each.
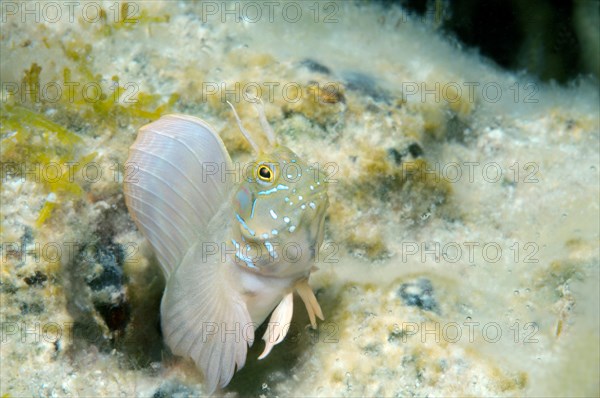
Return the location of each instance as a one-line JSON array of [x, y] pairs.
[[175, 183]]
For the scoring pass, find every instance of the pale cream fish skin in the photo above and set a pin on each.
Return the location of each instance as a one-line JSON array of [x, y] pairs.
[[223, 244]]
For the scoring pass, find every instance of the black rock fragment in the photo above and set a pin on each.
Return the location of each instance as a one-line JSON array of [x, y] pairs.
[[366, 85], [110, 257], [314, 66], [396, 155], [413, 151], [36, 279], [31, 308], [419, 294]]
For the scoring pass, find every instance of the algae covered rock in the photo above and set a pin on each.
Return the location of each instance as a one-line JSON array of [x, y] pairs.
[[460, 252]]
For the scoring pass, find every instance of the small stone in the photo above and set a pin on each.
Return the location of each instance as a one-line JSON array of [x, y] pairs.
[[366, 85], [36, 279], [418, 293], [31, 308], [396, 155], [415, 150], [314, 66], [110, 258]]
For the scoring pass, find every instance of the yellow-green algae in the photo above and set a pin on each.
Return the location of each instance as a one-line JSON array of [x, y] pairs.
[[45, 144], [32, 138]]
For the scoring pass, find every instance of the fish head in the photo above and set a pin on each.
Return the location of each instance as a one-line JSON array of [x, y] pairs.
[[280, 209]]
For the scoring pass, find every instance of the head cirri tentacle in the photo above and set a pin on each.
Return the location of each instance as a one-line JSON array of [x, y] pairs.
[[258, 144]]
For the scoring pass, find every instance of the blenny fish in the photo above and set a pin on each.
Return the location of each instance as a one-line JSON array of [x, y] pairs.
[[233, 241]]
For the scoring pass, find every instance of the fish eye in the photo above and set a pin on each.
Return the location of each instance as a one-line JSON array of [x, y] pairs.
[[265, 173]]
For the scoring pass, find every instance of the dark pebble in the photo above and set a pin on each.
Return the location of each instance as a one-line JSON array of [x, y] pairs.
[[31, 308], [419, 294], [456, 129], [36, 279], [314, 66], [111, 258], [415, 150], [8, 288], [107, 282], [366, 85], [396, 155]]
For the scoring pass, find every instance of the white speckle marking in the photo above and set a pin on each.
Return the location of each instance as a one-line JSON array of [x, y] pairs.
[[265, 235], [274, 232], [300, 197], [269, 247], [286, 219], [312, 188], [273, 214], [303, 207], [312, 205], [292, 228]]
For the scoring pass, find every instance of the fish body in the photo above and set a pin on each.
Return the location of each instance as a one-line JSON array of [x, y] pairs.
[[233, 246]]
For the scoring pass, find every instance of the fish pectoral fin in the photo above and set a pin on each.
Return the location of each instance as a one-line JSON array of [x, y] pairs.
[[205, 319], [279, 324], [310, 301]]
